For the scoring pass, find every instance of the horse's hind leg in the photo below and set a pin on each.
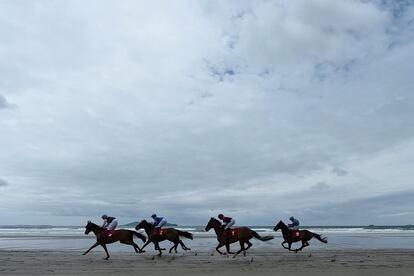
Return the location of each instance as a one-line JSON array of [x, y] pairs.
[[136, 247], [106, 251], [183, 246], [249, 244], [241, 248], [174, 247], [304, 244]]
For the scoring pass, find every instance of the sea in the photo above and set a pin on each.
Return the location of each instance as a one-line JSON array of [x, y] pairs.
[[47, 237]]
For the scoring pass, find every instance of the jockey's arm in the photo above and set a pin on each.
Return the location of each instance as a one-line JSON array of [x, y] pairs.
[[105, 224]]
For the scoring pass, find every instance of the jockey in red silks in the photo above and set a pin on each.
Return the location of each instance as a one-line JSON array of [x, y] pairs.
[[227, 221], [109, 224]]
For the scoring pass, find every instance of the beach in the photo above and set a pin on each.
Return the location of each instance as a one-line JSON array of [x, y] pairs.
[[256, 262], [350, 251]]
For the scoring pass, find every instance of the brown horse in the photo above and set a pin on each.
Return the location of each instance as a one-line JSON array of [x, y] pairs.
[[122, 235], [163, 234], [241, 234], [304, 236]]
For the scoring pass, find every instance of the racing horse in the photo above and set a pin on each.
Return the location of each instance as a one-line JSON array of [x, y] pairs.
[[102, 237], [295, 236], [241, 234], [157, 235]]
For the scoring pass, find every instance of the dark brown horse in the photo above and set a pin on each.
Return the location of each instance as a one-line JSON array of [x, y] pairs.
[[241, 234], [122, 235], [290, 237], [163, 234]]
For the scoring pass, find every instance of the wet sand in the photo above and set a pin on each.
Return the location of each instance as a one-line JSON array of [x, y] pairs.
[[257, 262]]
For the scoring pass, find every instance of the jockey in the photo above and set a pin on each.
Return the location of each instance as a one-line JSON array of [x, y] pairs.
[[227, 221], [294, 225], [158, 221], [110, 223]]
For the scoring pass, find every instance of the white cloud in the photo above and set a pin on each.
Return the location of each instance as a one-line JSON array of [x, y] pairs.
[[191, 108]]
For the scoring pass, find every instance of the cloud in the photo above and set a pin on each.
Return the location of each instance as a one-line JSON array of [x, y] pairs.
[[3, 183], [260, 109], [4, 104]]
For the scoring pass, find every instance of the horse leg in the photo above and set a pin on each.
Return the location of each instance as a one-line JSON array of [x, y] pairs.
[[218, 246], [159, 249], [183, 246], [174, 247], [241, 248], [106, 251], [148, 242], [304, 244], [290, 245], [249, 244], [283, 245], [136, 247], [92, 247], [228, 248]]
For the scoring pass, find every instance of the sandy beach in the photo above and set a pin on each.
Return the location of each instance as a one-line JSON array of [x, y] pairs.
[[275, 262]]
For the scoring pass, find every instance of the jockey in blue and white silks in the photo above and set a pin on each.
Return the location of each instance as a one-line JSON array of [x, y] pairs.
[[158, 221]]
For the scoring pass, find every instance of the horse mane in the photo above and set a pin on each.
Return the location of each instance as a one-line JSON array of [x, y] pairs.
[[93, 224], [215, 220]]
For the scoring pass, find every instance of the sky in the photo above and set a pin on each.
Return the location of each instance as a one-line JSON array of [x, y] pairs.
[[255, 109]]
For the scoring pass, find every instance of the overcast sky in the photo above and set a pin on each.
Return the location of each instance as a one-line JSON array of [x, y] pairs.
[[257, 109]]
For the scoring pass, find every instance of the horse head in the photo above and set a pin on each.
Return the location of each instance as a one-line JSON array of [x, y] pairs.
[[88, 227], [279, 225], [143, 225], [213, 223]]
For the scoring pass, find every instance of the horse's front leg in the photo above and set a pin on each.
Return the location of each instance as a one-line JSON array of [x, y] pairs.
[[159, 249], [283, 245], [228, 249], [92, 247], [218, 246], [142, 248], [290, 246]]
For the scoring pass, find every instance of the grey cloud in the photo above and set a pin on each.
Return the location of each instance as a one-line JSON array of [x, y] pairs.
[[395, 208], [4, 104], [320, 186], [339, 171], [3, 182], [271, 98]]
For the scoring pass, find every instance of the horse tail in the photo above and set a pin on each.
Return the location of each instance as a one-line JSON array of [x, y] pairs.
[[265, 238], [139, 235], [319, 238], [185, 234]]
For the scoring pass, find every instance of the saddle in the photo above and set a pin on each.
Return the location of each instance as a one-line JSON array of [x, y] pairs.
[[229, 233], [108, 233], [295, 234], [157, 232]]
